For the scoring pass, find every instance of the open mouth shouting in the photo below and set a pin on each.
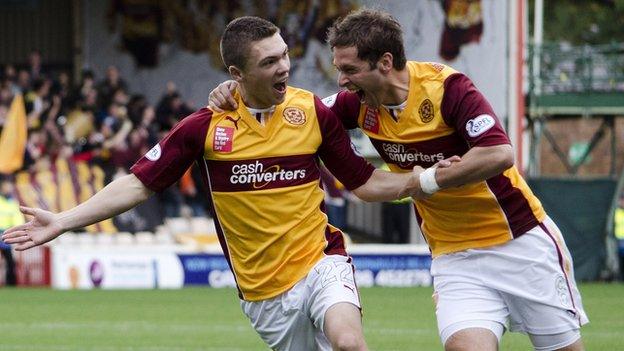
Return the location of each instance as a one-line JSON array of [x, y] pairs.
[[280, 87]]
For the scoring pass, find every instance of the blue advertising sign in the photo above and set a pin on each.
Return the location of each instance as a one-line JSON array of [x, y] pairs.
[[371, 270]]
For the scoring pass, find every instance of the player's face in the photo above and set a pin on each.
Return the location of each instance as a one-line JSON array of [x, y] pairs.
[[264, 79], [356, 74]]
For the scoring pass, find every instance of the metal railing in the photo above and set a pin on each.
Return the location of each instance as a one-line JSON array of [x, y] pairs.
[[577, 69]]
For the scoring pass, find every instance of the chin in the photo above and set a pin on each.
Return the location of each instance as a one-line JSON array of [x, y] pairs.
[[279, 100]]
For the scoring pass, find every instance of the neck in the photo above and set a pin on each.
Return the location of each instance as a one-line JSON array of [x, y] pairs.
[[249, 100], [396, 87]]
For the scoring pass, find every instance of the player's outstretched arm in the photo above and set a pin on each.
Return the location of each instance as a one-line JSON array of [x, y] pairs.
[[389, 186], [44, 226], [221, 98]]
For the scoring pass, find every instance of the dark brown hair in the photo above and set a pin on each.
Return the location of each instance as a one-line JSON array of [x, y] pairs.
[[373, 33], [237, 36]]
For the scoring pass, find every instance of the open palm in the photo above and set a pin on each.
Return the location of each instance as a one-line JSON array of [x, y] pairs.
[[41, 228]]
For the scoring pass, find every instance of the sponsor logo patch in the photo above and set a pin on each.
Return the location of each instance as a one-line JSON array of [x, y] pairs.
[[425, 111], [223, 137], [154, 153], [437, 66], [294, 116], [330, 100], [235, 121], [406, 156], [479, 125], [371, 120], [259, 176]]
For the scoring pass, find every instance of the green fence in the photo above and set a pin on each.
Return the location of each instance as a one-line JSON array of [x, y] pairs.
[[580, 209]]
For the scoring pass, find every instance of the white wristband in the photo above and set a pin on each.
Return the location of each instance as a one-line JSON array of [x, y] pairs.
[[428, 182]]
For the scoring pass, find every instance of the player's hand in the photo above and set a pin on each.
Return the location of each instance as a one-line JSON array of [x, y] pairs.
[[447, 162], [42, 227], [221, 97], [417, 193]]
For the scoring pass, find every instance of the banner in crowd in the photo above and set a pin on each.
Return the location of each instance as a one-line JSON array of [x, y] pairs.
[[13, 137]]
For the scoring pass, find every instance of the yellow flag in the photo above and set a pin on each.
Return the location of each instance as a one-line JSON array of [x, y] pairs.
[[13, 137]]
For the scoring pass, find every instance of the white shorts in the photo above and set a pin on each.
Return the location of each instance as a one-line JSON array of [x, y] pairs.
[[526, 283], [294, 319]]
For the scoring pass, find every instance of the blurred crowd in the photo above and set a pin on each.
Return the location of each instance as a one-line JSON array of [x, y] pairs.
[[98, 120]]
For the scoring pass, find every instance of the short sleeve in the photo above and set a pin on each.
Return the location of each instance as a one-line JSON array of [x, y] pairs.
[[167, 161], [346, 105], [466, 109], [336, 152]]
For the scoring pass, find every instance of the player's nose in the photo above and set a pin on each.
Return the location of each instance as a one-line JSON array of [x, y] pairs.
[[342, 79]]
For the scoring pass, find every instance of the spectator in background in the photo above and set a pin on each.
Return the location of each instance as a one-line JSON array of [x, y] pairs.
[[37, 102], [10, 216], [9, 79], [4, 109], [86, 86], [120, 96], [36, 147], [114, 131], [23, 81], [136, 106], [113, 81], [171, 108], [63, 88], [35, 65], [6, 94], [619, 231]]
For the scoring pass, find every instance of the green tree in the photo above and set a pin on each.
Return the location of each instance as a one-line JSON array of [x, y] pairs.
[[582, 22]]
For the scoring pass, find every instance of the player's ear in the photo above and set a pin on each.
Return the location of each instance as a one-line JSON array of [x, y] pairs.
[[384, 64], [236, 73]]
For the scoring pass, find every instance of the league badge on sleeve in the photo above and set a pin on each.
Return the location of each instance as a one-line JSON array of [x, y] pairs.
[[330, 100], [479, 125], [154, 153]]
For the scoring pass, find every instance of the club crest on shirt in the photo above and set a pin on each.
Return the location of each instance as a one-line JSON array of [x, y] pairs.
[[371, 120], [426, 111], [294, 116], [223, 139]]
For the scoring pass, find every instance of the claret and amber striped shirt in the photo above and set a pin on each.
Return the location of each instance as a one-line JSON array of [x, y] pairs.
[[264, 183], [446, 115]]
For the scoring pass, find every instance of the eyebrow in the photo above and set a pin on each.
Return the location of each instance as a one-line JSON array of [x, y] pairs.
[[346, 67], [285, 52]]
